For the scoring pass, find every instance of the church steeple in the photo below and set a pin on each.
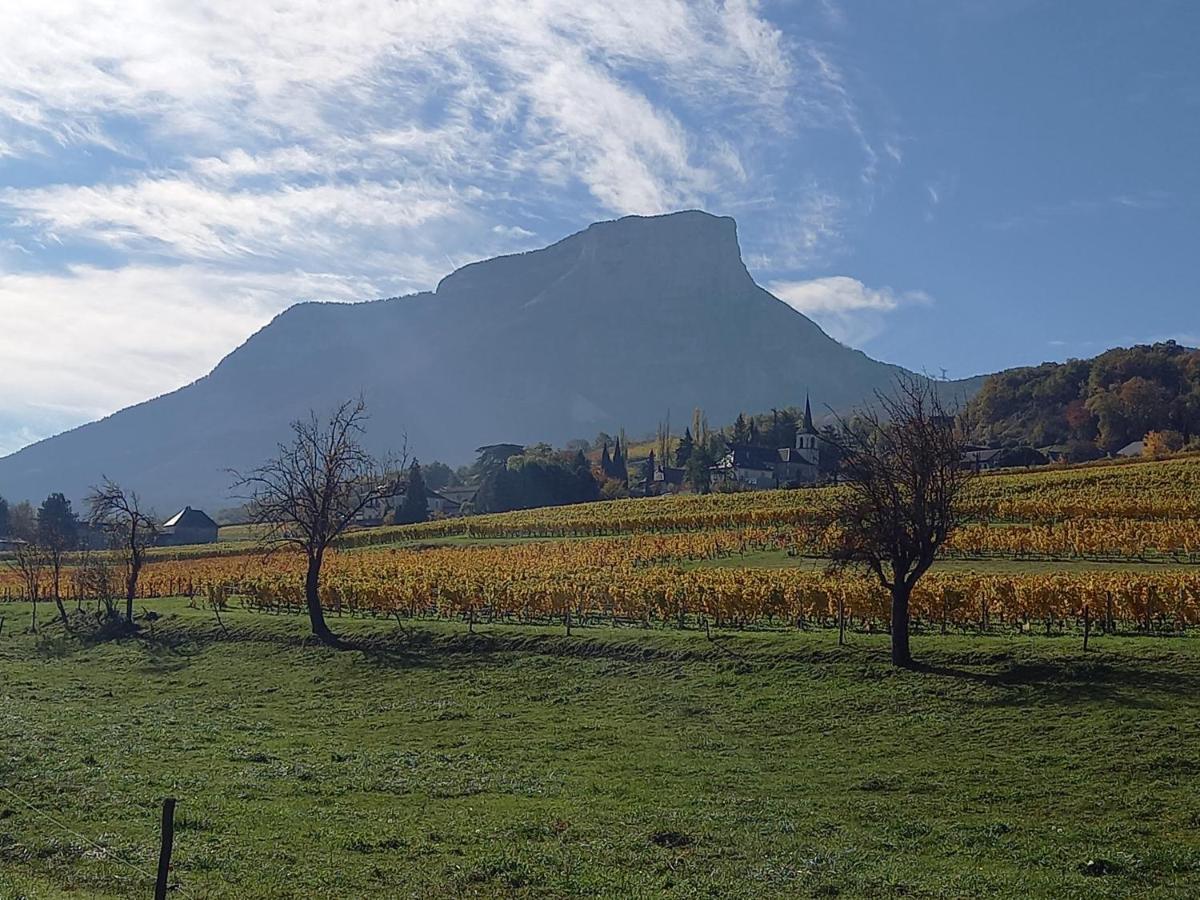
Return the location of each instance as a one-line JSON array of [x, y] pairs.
[[807, 439]]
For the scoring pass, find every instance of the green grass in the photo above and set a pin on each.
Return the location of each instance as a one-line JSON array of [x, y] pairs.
[[520, 762]]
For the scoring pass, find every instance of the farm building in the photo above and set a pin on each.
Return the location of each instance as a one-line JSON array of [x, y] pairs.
[[188, 526], [459, 500], [441, 506], [1132, 449], [667, 480], [983, 459]]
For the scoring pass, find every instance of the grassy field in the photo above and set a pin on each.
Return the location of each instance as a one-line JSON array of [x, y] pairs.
[[613, 763]]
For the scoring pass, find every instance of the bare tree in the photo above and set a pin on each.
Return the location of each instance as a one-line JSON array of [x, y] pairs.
[[93, 579], [29, 560], [119, 514], [901, 464], [313, 490]]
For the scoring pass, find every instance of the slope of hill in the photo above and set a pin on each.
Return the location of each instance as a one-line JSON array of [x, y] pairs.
[[1104, 402], [610, 327]]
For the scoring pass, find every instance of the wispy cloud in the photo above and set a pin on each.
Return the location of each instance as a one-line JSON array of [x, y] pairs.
[[1047, 212], [221, 160], [847, 309]]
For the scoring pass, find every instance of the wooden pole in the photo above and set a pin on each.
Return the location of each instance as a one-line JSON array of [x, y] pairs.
[[164, 852], [1087, 625], [841, 620]]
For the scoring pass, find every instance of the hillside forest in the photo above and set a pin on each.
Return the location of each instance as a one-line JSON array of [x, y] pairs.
[[1093, 407]]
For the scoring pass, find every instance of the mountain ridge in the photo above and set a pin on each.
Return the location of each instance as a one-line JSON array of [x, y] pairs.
[[608, 327]]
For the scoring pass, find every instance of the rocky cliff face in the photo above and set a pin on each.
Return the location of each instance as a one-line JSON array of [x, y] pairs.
[[610, 327]]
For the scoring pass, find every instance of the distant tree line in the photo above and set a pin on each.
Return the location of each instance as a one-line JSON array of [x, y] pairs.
[[41, 542], [515, 477]]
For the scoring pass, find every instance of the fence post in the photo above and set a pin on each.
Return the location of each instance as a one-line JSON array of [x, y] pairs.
[[1087, 624], [164, 852]]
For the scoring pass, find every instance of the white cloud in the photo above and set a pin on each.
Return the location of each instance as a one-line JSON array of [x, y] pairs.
[[847, 309], [191, 220], [515, 232], [72, 353], [227, 72], [224, 159]]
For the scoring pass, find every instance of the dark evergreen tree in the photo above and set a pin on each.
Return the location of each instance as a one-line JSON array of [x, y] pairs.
[[699, 466], [606, 466], [495, 456], [438, 475], [57, 524], [785, 429], [648, 469], [620, 469], [587, 488], [3, 518], [415, 506], [829, 455], [57, 535], [741, 430], [684, 451]]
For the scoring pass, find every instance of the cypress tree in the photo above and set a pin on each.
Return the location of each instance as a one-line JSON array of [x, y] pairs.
[[620, 469], [684, 451], [415, 507]]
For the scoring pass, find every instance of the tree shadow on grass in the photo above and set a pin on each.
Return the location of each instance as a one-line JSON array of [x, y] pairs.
[[405, 648], [1128, 684]]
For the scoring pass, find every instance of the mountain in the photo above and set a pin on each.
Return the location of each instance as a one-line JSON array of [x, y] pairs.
[[610, 327]]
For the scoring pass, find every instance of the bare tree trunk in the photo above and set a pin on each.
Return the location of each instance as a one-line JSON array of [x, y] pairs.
[[130, 591], [312, 595], [901, 655], [62, 610]]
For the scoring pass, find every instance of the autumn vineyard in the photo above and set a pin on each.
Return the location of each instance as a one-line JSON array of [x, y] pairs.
[[1116, 546]]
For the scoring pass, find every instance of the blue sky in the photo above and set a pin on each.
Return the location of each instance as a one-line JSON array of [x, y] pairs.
[[948, 184]]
